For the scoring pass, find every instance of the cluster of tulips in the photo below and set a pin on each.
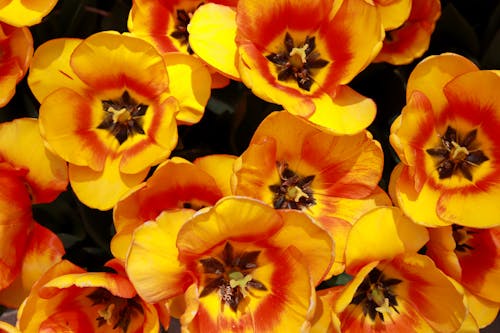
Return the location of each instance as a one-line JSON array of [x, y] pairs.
[[294, 233]]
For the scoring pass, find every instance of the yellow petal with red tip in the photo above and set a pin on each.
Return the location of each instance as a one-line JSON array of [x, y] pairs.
[[237, 218], [43, 250], [212, 31], [348, 113], [47, 173], [439, 70], [317, 256], [25, 13], [162, 276], [190, 85], [220, 167], [51, 59], [441, 248], [102, 189], [395, 13], [387, 233], [108, 60]]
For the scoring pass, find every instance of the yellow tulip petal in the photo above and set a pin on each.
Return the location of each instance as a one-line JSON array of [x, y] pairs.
[[483, 311], [395, 13], [220, 167], [317, 255], [212, 31], [439, 70], [190, 84], [25, 13], [102, 189], [237, 218], [162, 275], [387, 233], [51, 59], [47, 173], [348, 113]]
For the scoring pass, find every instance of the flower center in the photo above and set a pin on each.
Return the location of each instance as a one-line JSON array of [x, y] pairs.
[[462, 236], [457, 154], [114, 311], [181, 32], [376, 295], [298, 62], [123, 117], [294, 191], [230, 276]]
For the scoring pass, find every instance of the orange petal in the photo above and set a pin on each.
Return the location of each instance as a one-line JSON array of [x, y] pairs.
[[43, 250], [394, 13], [220, 167]]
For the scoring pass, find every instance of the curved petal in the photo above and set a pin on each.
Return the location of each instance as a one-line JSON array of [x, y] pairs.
[[26, 13], [395, 13], [162, 275], [220, 167], [8, 328], [314, 243], [349, 112], [51, 60], [212, 32], [237, 218], [439, 70], [102, 189], [189, 84], [47, 173], [483, 311], [387, 233], [134, 64]]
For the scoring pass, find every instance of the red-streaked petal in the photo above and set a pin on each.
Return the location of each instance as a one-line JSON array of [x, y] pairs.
[[108, 60], [175, 184], [286, 305], [68, 123], [15, 224], [47, 173], [263, 21], [162, 275], [237, 218], [43, 250]]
